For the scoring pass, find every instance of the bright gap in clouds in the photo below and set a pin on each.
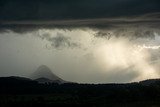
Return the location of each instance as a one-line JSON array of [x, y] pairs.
[[78, 55], [120, 55]]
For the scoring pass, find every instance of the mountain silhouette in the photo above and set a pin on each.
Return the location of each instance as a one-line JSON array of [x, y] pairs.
[[44, 74]]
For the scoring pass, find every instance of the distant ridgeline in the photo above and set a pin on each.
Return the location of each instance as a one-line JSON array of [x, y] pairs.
[[19, 91]]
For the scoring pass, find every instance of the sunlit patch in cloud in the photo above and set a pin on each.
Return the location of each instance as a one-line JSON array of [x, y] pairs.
[[148, 47], [120, 53]]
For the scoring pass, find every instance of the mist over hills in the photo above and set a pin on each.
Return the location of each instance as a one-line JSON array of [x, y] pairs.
[[43, 74]]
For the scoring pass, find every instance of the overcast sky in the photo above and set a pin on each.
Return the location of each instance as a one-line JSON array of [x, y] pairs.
[[86, 41], [74, 9]]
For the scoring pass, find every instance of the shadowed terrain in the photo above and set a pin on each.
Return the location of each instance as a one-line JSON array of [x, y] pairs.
[[19, 91]]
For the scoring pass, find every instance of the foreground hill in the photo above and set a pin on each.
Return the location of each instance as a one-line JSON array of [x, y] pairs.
[[17, 91]]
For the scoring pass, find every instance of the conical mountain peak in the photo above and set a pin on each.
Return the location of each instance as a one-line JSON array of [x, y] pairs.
[[45, 72], [44, 69]]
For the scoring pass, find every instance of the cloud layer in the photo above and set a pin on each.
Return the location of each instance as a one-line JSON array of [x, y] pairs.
[[83, 55]]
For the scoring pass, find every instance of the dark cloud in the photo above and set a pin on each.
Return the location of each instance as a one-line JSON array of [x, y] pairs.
[[106, 35], [60, 41], [74, 9], [129, 31], [28, 15], [135, 33], [26, 26]]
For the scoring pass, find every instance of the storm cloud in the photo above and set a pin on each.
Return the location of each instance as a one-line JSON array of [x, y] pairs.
[[71, 9], [85, 41], [59, 40], [22, 15]]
